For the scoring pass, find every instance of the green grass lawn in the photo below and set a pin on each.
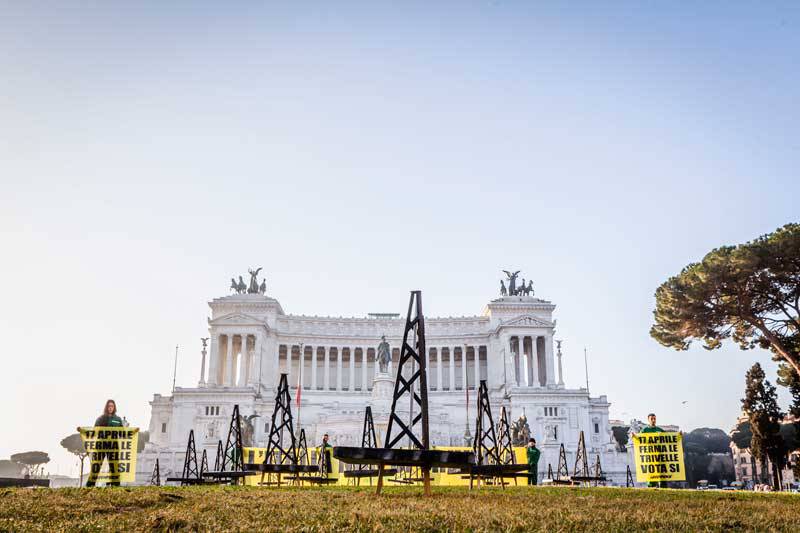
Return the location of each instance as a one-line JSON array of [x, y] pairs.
[[398, 509]]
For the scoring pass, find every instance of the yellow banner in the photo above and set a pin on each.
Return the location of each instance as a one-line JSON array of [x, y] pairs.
[[659, 457], [114, 446]]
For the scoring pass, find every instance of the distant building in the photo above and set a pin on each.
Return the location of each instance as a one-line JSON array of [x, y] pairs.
[[252, 341], [749, 472]]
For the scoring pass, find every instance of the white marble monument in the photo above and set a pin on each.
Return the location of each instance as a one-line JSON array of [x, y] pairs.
[[333, 359]]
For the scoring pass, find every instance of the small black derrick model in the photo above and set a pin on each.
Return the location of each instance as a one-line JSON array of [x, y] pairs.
[[204, 463], [414, 390], [231, 467], [190, 474], [218, 459], [368, 440], [488, 460], [629, 477], [282, 458], [155, 479], [581, 472]]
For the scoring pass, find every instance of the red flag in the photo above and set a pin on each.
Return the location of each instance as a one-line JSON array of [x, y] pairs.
[[299, 388]]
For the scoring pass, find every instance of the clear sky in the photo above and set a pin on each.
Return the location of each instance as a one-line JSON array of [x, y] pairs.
[[149, 152]]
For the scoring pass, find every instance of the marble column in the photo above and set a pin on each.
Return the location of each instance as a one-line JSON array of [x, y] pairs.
[[537, 358], [326, 360], [464, 367], [452, 368], [242, 360], [477, 362], [364, 385], [548, 360], [560, 369], [352, 383], [258, 364], [289, 364], [438, 368], [230, 379], [213, 363], [313, 368], [338, 368]]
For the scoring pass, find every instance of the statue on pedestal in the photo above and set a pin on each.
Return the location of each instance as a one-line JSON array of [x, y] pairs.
[[383, 355], [520, 431]]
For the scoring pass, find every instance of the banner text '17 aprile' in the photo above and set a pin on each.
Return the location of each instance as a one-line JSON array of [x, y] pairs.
[[114, 446]]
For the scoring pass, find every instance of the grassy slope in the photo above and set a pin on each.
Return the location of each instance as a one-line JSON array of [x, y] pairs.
[[399, 509]]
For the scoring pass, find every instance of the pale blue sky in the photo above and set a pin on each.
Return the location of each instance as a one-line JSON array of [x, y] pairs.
[[357, 151]]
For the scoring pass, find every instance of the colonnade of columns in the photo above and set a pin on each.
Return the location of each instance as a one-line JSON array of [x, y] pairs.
[[532, 360], [352, 368], [234, 362]]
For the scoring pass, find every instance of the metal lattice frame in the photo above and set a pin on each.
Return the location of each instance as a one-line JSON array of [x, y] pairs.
[[563, 469], [416, 386], [282, 420], [598, 472], [155, 479], [190, 470], [232, 459], [368, 438], [581, 460], [218, 459], [549, 471], [302, 449], [485, 441], [504, 438], [204, 463], [629, 477]]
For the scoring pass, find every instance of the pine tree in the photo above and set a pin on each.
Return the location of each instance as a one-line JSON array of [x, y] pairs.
[[760, 404]]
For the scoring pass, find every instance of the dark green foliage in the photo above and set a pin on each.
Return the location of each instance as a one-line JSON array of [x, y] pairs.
[[760, 404], [708, 456], [10, 468], [144, 438], [621, 436], [749, 293], [31, 461], [74, 445]]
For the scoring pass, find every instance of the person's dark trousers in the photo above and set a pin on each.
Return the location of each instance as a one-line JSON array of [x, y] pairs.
[[533, 477], [91, 482]]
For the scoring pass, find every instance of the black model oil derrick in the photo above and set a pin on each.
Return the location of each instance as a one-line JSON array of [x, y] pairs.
[[489, 463], [218, 458], [504, 438], [414, 390], [190, 474], [155, 479], [368, 440], [231, 459]]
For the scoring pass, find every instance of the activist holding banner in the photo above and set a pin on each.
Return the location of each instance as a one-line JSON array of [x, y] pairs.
[[658, 455], [112, 443]]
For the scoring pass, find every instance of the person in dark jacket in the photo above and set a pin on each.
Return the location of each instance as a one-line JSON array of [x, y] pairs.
[[533, 454], [109, 418], [327, 461]]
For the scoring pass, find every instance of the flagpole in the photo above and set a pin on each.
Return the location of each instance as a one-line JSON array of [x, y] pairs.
[[300, 384]]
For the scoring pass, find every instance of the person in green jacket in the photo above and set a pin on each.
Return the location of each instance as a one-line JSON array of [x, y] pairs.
[[653, 428], [326, 458], [109, 418], [533, 454]]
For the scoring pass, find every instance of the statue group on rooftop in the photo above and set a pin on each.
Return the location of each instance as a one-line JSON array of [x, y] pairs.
[[513, 289], [254, 288]]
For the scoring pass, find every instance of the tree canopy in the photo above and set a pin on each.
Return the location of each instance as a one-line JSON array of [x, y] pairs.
[[10, 468], [74, 444], [760, 403], [32, 461], [749, 293]]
